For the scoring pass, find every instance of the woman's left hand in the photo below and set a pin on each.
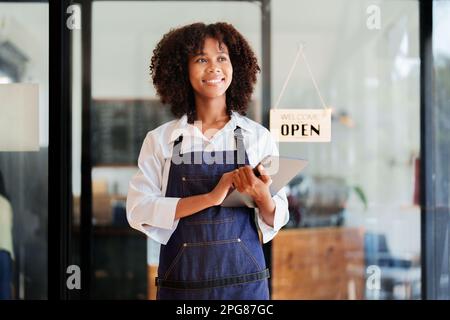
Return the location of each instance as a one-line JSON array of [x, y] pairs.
[[245, 181]]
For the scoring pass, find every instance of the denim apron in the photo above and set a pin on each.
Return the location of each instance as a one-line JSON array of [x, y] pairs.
[[215, 253]]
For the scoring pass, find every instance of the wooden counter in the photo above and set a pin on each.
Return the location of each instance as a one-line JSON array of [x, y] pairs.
[[318, 263]]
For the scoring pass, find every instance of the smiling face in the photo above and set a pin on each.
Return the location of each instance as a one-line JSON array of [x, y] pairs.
[[211, 72]]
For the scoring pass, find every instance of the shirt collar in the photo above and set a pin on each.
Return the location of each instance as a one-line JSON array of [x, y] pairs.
[[182, 126]]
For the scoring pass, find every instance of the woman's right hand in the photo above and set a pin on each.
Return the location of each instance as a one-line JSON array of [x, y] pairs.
[[219, 193]]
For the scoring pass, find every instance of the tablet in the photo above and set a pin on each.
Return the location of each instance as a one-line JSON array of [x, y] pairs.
[[281, 169]]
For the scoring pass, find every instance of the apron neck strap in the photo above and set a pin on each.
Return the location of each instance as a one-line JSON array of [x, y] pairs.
[[239, 138], [179, 140], [177, 145]]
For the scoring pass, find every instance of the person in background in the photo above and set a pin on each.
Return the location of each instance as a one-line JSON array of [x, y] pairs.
[[6, 243]]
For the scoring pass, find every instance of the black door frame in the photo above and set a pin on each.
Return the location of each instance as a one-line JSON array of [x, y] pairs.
[[60, 150], [430, 276], [60, 188]]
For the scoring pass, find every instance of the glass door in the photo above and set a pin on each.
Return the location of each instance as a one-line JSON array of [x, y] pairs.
[[122, 108], [355, 228]]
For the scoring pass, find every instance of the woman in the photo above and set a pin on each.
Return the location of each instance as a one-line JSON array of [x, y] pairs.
[[206, 73]]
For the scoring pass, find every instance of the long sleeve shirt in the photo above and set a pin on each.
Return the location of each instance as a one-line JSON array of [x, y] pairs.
[[151, 212]]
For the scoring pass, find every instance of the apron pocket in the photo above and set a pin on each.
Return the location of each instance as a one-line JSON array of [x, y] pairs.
[[193, 185], [214, 259]]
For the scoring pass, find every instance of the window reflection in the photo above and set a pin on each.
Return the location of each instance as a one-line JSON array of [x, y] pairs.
[[354, 231], [441, 56], [23, 167]]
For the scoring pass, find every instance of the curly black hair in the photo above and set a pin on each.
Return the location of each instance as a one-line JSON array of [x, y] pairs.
[[170, 74]]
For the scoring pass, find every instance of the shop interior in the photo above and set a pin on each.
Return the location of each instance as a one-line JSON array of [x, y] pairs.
[[355, 218]]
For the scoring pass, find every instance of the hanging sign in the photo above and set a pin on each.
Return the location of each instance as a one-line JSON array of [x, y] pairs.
[[301, 125]]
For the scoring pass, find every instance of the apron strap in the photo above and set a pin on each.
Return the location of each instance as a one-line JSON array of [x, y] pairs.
[[177, 145], [239, 138]]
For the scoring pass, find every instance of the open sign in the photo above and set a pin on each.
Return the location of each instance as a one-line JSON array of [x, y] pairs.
[[301, 125]]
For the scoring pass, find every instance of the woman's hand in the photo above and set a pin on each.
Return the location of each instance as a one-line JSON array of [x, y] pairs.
[[246, 182], [218, 194]]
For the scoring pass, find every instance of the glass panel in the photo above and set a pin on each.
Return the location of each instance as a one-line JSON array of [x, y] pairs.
[[76, 138], [354, 231], [24, 135], [124, 109], [441, 52]]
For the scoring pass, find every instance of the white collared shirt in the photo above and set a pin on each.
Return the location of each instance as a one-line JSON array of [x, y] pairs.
[[149, 211]]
